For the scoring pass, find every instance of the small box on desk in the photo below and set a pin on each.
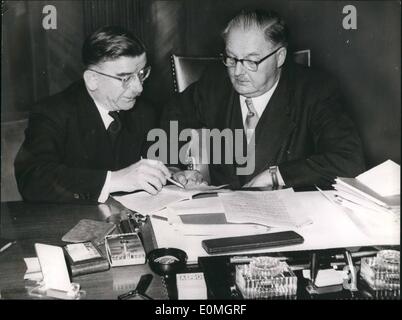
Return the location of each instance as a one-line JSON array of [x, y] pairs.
[[124, 249], [84, 258]]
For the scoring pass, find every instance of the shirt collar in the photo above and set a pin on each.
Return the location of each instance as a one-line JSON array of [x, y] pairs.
[[259, 102]]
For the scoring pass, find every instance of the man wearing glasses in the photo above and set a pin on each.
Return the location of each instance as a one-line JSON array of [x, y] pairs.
[[89, 140], [302, 137]]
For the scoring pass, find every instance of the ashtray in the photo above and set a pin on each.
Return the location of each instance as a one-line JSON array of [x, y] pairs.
[[167, 261]]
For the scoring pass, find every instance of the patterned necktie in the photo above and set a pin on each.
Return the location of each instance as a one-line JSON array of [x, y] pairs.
[[115, 126], [251, 119]]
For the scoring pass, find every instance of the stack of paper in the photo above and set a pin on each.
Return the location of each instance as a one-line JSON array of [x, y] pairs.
[[373, 197], [376, 189]]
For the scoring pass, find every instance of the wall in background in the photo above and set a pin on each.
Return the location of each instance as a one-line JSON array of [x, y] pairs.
[[366, 61]]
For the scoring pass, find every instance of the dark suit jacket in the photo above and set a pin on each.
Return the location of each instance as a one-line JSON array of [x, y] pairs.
[[303, 129], [67, 151]]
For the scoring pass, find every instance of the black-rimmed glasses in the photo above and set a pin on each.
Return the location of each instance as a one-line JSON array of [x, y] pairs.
[[251, 65], [142, 75]]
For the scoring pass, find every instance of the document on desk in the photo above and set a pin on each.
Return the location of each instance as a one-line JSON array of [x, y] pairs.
[[146, 203], [332, 227], [270, 208], [383, 179], [206, 216]]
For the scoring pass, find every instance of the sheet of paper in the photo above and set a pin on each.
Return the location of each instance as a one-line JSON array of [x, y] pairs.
[[383, 179], [33, 271], [53, 265], [146, 203], [270, 208], [195, 206], [204, 187], [219, 230], [191, 286], [326, 277], [332, 227], [32, 264]]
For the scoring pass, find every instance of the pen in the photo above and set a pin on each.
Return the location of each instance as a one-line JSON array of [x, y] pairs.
[[8, 245], [313, 267], [172, 181], [175, 182]]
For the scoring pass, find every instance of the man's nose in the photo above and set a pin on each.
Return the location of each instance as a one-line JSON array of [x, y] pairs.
[[239, 69], [135, 85]]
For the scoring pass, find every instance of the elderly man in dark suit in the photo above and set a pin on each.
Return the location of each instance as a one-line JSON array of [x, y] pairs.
[[294, 114], [89, 140]]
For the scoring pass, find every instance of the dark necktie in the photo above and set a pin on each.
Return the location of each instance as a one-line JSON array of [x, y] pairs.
[[251, 119], [115, 126]]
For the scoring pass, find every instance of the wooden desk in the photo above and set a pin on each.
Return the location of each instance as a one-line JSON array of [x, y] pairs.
[[47, 223]]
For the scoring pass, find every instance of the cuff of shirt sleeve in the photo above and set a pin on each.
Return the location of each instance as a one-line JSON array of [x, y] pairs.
[[105, 190]]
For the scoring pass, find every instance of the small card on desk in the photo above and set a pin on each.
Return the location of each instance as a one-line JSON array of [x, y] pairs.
[[85, 258], [191, 286]]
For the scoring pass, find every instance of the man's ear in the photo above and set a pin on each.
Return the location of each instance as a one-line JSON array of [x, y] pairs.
[[281, 56], [91, 80]]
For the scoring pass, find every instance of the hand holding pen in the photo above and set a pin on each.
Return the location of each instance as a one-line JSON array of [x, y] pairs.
[[147, 174]]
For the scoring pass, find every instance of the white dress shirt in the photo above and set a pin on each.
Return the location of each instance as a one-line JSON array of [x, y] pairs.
[[260, 103]]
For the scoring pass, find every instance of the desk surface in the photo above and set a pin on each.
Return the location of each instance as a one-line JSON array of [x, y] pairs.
[[47, 223]]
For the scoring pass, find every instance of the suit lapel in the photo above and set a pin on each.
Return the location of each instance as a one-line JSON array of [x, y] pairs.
[[95, 140], [130, 141], [274, 127]]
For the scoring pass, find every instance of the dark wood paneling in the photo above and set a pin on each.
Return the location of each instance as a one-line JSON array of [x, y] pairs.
[[125, 13], [366, 61], [17, 80]]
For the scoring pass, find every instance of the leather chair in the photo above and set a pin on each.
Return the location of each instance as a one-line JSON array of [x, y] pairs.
[[187, 70], [12, 136]]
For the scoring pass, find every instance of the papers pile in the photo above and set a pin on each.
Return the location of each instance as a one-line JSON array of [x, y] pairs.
[[373, 197]]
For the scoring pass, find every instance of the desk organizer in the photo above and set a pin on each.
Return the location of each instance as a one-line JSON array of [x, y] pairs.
[[264, 278]]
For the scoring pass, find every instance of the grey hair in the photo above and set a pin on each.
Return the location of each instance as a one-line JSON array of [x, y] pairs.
[[273, 25]]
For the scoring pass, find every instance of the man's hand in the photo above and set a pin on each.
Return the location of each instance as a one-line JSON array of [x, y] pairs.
[[189, 178], [260, 180], [146, 174]]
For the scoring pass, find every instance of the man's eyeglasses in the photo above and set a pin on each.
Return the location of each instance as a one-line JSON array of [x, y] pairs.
[[142, 75], [251, 65]]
